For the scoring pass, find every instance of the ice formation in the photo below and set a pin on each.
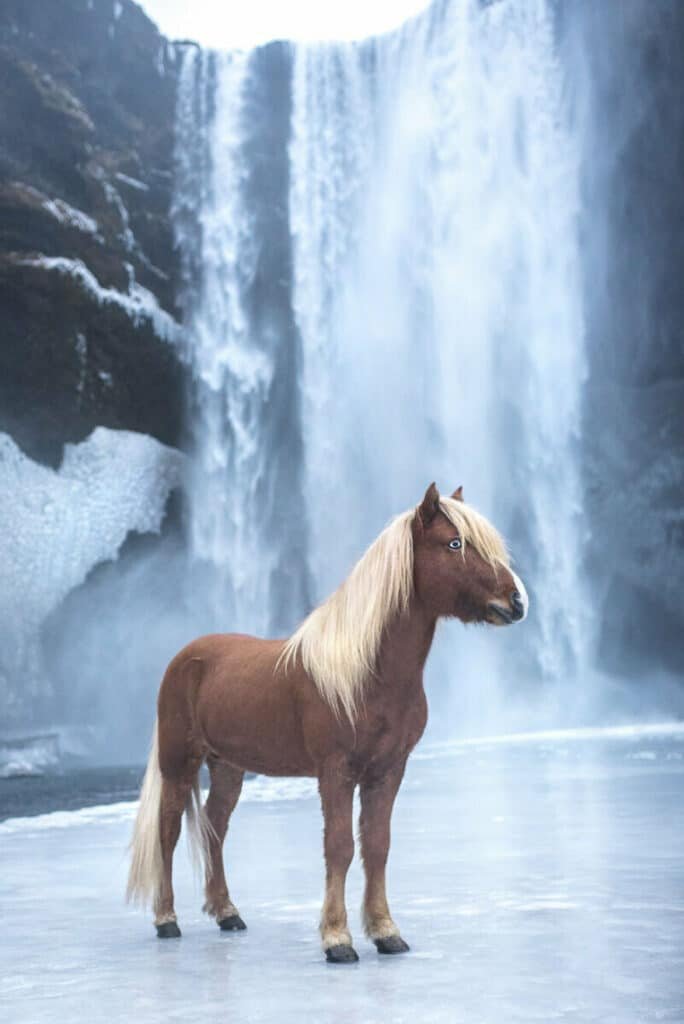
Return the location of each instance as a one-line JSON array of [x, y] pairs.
[[139, 303], [56, 525]]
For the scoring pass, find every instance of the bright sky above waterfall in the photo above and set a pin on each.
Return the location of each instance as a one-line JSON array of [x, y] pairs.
[[244, 24]]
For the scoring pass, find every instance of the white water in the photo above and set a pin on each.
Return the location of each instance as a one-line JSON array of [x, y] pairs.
[[388, 294], [432, 189], [231, 372], [433, 210]]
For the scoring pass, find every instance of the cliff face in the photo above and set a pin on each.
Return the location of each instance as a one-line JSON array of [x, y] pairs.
[[87, 267], [629, 55]]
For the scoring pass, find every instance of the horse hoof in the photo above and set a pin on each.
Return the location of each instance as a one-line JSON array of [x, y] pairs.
[[341, 955], [168, 930], [392, 944], [234, 923]]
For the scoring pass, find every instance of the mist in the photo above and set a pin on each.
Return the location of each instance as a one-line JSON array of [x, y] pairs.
[[421, 256]]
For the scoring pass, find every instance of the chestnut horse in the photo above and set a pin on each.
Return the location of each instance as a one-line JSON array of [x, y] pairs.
[[342, 700]]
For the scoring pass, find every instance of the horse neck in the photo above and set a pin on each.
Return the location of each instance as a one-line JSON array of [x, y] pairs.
[[406, 645]]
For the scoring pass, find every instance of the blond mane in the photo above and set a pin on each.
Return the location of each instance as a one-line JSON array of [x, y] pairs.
[[339, 641]]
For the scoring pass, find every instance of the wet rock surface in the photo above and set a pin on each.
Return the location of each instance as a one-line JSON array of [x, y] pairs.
[[631, 224], [87, 98]]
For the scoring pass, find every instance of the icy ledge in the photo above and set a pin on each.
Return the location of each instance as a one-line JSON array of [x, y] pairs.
[[56, 525], [139, 303]]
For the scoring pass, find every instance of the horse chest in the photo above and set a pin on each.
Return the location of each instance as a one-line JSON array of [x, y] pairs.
[[388, 733]]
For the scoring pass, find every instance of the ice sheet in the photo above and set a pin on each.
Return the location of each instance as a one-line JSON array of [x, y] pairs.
[[537, 881]]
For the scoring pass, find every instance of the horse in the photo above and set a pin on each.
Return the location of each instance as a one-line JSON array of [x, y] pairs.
[[341, 700]]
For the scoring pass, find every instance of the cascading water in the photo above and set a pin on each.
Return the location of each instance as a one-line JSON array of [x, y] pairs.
[[434, 322], [230, 345], [380, 286], [231, 375], [433, 210]]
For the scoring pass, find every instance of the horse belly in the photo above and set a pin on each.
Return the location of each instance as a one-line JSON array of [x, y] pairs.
[[252, 722]]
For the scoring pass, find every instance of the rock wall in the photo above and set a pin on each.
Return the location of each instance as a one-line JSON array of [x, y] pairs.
[[87, 97], [88, 285], [628, 55]]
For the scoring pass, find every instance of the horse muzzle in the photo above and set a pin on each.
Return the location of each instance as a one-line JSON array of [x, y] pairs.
[[499, 614]]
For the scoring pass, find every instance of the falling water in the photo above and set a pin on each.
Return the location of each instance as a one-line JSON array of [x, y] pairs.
[[434, 325], [230, 376], [433, 211], [233, 490]]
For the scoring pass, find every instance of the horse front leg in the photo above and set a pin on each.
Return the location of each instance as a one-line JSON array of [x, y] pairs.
[[337, 795], [377, 801]]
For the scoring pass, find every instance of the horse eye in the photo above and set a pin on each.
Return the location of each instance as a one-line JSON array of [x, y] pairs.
[[455, 544]]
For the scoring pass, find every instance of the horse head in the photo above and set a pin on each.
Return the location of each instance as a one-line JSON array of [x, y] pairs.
[[460, 563]]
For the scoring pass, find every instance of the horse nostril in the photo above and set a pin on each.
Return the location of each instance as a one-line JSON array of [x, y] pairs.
[[517, 601]]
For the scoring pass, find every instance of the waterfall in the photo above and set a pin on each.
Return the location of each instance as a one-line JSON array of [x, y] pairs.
[[231, 375], [430, 321], [235, 345], [437, 291]]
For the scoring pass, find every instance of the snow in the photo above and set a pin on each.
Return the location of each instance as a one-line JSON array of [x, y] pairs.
[[535, 881], [61, 210], [56, 525], [69, 215], [113, 197], [132, 182], [140, 304]]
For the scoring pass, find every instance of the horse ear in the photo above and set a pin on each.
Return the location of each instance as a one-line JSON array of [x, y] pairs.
[[429, 506], [458, 494]]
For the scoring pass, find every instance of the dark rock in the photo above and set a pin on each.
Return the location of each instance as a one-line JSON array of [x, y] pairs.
[[629, 57], [69, 363], [87, 103]]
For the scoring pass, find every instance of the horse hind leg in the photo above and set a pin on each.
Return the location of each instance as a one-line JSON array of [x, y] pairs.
[[170, 787], [175, 797], [224, 793]]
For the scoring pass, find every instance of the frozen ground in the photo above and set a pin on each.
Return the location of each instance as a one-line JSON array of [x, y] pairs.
[[536, 880]]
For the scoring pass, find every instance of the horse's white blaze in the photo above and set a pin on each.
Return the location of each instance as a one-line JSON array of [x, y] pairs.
[[523, 593]]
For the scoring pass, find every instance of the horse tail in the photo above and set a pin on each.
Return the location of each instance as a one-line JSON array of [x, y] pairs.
[[146, 870], [200, 830], [145, 873]]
